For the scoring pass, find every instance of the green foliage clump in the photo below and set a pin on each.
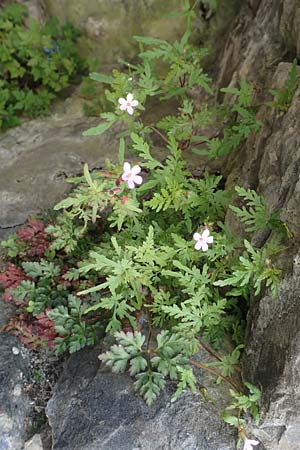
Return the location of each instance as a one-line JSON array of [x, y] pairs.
[[150, 276], [256, 216], [74, 331], [171, 71], [36, 62], [168, 358]]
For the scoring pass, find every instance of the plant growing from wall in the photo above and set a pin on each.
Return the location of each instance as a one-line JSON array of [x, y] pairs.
[[140, 250]]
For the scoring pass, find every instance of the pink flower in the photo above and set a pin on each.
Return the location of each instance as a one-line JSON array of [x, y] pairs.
[[128, 104], [248, 444], [131, 175], [203, 240]]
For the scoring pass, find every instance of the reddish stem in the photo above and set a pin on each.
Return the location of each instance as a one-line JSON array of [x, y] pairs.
[[215, 372]]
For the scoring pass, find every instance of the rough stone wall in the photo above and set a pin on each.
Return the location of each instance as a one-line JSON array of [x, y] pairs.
[[263, 36], [271, 163]]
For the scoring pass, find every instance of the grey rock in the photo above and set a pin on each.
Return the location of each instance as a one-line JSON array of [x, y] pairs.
[[92, 409], [290, 25], [6, 311], [262, 35], [37, 157], [269, 162], [272, 359], [254, 41], [35, 443], [14, 403]]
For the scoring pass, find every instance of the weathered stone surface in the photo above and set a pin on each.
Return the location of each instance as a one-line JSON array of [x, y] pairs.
[[273, 350], [6, 311], [262, 35], [93, 409], [290, 25], [273, 362], [35, 443], [37, 157], [110, 24], [269, 163], [258, 37], [14, 403]]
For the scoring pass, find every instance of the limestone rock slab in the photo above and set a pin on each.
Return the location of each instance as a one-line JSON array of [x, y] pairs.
[[14, 403], [93, 409], [37, 157]]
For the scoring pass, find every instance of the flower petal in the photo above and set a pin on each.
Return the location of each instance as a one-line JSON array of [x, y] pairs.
[[198, 245], [123, 107], [253, 442], [121, 100], [137, 179], [126, 167], [124, 176], [205, 233], [204, 246], [130, 183], [134, 103], [129, 97], [196, 236], [248, 444], [135, 170], [210, 239], [130, 110]]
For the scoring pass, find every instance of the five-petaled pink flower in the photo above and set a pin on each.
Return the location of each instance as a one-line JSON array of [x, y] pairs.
[[249, 443], [128, 104], [130, 175], [203, 240]]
